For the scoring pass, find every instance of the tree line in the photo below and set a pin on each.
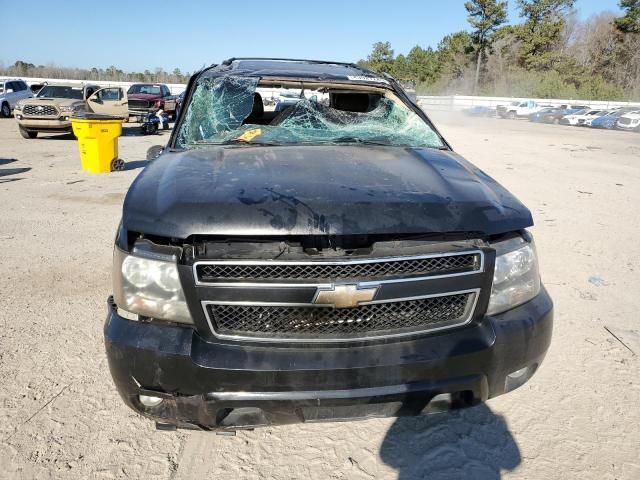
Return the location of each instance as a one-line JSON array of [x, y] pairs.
[[112, 73], [549, 54]]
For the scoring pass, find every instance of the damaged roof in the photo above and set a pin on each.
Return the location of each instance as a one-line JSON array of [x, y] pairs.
[[293, 68]]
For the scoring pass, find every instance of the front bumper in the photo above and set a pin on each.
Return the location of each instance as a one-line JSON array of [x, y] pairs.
[[229, 385], [59, 124]]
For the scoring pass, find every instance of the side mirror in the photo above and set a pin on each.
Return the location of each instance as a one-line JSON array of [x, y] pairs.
[[94, 99], [154, 152]]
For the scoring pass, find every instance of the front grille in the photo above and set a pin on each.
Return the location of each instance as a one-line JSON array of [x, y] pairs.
[[347, 270], [326, 323], [135, 103], [40, 110]]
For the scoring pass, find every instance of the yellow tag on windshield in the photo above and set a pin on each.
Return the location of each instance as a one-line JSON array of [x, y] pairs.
[[250, 135]]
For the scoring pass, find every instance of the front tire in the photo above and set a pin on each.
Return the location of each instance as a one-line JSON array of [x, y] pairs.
[[27, 134], [5, 111]]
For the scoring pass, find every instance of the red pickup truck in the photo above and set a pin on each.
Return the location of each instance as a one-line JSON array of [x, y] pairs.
[[150, 97]]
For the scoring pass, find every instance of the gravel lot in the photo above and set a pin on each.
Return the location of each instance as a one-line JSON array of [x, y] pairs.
[[60, 416]]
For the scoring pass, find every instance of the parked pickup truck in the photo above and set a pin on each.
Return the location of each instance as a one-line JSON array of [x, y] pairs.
[[334, 260], [518, 109], [51, 109], [147, 98]]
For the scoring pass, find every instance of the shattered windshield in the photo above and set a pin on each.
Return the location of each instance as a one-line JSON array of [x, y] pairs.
[[232, 110]]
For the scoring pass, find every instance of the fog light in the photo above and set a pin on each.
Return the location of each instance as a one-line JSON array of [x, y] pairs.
[[149, 401], [519, 377]]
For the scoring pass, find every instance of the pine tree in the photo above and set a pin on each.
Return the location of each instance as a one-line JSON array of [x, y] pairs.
[[485, 16]]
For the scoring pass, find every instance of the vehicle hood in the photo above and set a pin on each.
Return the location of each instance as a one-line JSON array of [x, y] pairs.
[[50, 101], [144, 96], [318, 190]]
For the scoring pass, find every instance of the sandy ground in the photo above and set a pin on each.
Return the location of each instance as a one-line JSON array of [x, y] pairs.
[[60, 416]]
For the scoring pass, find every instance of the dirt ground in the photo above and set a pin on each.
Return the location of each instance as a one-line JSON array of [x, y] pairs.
[[60, 416]]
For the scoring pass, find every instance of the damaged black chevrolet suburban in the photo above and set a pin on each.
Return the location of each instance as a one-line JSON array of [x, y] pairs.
[[331, 259]]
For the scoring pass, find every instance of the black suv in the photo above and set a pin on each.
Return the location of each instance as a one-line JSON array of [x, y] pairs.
[[327, 260]]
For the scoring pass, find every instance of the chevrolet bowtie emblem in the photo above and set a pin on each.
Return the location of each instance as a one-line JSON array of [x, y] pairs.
[[345, 296]]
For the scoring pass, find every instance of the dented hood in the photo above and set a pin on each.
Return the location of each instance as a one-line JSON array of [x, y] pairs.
[[318, 190]]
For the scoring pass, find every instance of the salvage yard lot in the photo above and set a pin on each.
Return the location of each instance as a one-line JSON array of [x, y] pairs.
[[60, 416]]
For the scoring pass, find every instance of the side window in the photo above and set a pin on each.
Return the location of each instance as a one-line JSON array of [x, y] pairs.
[[10, 86], [109, 94], [23, 86], [165, 91]]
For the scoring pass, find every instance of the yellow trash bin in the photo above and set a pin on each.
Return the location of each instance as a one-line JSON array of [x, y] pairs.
[[98, 141]]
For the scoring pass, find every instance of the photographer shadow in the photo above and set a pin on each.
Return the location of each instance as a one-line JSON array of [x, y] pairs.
[[472, 443]]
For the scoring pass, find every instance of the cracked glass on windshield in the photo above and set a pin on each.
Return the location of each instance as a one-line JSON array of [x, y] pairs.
[[235, 110]]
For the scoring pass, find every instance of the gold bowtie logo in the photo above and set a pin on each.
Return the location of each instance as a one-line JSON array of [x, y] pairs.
[[345, 296]]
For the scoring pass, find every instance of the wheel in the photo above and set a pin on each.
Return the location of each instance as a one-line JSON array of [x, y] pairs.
[[149, 128], [154, 152], [512, 115], [5, 111], [556, 121], [27, 134], [117, 165]]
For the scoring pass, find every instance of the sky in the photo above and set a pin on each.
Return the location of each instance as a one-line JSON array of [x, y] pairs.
[[145, 34]]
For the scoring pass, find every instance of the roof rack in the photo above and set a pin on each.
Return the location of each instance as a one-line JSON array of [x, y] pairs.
[[326, 62]]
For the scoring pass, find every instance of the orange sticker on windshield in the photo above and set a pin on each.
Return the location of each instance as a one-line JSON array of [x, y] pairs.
[[250, 135]]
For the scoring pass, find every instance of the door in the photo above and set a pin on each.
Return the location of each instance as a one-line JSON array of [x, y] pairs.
[[110, 101], [10, 93], [24, 90]]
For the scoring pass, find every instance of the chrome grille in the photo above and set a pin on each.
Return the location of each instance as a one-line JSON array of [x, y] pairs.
[[326, 323], [40, 110], [213, 272]]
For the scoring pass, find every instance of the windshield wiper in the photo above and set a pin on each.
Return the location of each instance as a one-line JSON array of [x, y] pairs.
[[360, 141], [239, 141], [236, 141]]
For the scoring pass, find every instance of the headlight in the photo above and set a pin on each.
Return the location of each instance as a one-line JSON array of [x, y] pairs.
[[516, 279], [67, 108], [149, 287], [17, 107]]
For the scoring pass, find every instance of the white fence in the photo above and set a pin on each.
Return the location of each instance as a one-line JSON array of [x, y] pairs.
[[461, 102], [449, 102], [175, 88]]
